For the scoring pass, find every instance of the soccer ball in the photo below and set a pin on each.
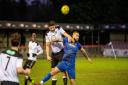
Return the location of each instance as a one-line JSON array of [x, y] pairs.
[[65, 9]]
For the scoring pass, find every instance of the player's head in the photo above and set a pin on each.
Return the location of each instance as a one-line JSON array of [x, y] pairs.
[[75, 36], [52, 25], [33, 36], [15, 42]]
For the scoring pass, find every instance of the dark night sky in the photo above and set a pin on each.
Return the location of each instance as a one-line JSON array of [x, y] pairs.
[[81, 11]]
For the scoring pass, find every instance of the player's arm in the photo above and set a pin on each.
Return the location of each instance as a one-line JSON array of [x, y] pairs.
[[19, 67], [20, 70], [69, 37], [85, 54], [66, 35], [48, 43], [48, 51], [28, 46], [40, 50]]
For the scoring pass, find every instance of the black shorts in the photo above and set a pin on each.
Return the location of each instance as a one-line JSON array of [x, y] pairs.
[[29, 64], [56, 58], [9, 83]]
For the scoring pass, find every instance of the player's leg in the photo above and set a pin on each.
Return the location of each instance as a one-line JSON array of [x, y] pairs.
[[65, 79], [54, 78], [71, 74], [60, 67], [72, 81], [31, 64], [28, 65], [29, 79], [49, 75], [64, 74], [26, 76], [54, 63]]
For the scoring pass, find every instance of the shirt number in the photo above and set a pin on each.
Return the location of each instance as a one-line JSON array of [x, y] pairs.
[[7, 62]]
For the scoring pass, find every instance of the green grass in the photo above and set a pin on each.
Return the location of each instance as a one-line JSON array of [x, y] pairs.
[[103, 71]]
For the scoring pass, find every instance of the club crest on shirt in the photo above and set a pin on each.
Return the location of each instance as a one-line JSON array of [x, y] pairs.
[[53, 38], [72, 45]]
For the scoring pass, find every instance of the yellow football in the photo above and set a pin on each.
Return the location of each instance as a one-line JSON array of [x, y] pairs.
[[65, 9]]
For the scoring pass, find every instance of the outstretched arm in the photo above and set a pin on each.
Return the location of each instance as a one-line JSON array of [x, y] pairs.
[[69, 37], [66, 35], [85, 54]]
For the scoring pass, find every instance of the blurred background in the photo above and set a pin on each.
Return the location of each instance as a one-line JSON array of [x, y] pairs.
[[103, 28], [98, 21], [81, 11]]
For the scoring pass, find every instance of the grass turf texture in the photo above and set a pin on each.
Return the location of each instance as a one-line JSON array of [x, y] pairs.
[[103, 71]]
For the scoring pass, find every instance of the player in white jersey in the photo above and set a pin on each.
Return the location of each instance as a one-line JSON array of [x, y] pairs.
[[34, 49], [11, 65], [54, 40]]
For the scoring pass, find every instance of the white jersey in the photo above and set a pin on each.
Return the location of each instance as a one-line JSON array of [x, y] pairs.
[[10, 60], [57, 34], [34, 48]]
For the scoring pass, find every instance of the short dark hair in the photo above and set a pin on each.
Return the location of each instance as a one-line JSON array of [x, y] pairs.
[[51, 23], [15, 42]]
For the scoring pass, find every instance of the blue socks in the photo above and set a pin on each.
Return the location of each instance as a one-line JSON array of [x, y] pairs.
[[47, 77]]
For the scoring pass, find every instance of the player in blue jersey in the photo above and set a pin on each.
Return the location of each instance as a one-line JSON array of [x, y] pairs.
[[68, 62]]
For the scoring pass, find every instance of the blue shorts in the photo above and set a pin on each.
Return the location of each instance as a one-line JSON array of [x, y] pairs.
[[69, 68]]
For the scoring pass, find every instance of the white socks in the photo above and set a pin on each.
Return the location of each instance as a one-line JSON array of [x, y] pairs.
[[41, 82]]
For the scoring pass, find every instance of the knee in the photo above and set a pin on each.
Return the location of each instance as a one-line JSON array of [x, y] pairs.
[[64, 74], [54, 77], [72, 81]]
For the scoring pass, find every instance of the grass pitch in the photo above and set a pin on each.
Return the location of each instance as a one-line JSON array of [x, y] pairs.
[[103, 71]]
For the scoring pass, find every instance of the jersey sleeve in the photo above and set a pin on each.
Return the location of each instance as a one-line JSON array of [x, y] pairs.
[[65, 40], [19, 62], [79, 46], [62, 30]]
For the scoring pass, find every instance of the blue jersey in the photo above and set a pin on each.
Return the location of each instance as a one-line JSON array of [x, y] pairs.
[[68, 61], [70, 50]]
